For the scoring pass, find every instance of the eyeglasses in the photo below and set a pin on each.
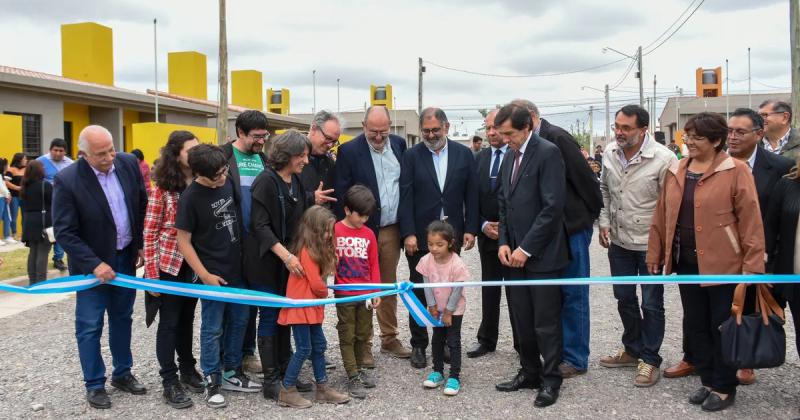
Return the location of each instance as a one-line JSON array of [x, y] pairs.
[[221, 173], [259, 137], [767, 114], [694, 137], [373, 133], [328, 139], [436, 131], [740, 132]]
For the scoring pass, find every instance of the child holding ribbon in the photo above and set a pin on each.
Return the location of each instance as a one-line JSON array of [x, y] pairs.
[[443, 265], [314, 246]]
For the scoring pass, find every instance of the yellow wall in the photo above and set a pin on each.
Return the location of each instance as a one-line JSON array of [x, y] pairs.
[[78, 115], [281, 107], [87, 53], [188, 74], [151, 137], [388, 102], [246, 87], [128, 119], [10, 135]]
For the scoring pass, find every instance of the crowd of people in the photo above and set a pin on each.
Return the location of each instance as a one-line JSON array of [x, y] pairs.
[[283, 214]]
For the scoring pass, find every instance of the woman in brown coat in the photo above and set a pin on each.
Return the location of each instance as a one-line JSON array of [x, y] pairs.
[[707, 221]]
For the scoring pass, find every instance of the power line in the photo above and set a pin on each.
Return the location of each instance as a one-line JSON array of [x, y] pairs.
[[676, 29], [673, 24], [476, 73]]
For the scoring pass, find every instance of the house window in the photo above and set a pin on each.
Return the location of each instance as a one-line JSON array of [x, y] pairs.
[[31, 133]]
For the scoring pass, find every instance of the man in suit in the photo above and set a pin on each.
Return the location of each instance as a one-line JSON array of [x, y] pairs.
[[779, 136], [534, 244], [745, 128], [581, 208], [437, 182], [374, 159], [98, 215], [488, 166]]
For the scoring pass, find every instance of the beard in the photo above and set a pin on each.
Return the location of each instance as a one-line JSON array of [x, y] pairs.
[[435, 144]]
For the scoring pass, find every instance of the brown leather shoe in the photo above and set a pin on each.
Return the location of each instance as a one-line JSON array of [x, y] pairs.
[[746, 376], [682, 369], [395, 349], [646, 375], [368, 360], [569, 371], [621, 359]]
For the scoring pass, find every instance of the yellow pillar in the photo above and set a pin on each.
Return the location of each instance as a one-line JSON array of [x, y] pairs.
[[246, 87], [87, 53], [381, 95], [11, 135], [188, 74], [278, 101], [150, 137], [128, 119], [78, 115]]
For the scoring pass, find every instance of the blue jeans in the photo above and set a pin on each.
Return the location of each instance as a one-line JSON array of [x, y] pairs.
[[58, 252], [222, 328], [575, 303], [5, 213], [309, 341], [90, 307], [643, 328], [14, 208]]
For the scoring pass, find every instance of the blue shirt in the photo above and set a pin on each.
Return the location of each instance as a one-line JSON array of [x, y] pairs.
[[387, 174], [51, 167], [116, 201]]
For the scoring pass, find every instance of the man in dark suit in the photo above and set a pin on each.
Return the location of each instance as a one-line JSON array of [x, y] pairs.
[[438, 182], [98, 215], [581, 208], [374, 159], [488, 166], [317, 175], [745, 130], [533, 243]]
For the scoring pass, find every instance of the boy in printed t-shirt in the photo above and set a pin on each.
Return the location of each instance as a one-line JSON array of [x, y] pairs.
[[357, 249]]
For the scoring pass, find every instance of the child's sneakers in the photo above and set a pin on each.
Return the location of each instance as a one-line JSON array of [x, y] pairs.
[[452, 387], [236, 380], [435, 380], [213, 397], [367, 378]]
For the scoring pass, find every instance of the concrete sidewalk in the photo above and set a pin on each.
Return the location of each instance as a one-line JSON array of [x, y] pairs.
[[14, 303]]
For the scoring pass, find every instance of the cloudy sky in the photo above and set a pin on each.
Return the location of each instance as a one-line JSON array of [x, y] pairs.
[[363, 42]]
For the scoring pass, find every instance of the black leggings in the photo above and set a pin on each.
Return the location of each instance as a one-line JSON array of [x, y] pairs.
[[175, 327], [452, 336]]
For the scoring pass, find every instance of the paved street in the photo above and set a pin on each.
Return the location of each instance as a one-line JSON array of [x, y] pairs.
[[39, 365]]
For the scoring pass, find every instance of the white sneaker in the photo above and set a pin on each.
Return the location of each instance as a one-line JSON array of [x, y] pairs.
[[239, 382], [2, 242], [10, 240]]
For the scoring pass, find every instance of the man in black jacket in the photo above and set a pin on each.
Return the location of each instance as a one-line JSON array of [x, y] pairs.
[[317, 176], [488, 167], [534, 244], [581, 209]]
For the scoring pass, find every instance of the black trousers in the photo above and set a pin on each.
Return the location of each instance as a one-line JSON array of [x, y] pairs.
[[175, 327], [704, 309], [536, 314], [452, 337], [491, 269]]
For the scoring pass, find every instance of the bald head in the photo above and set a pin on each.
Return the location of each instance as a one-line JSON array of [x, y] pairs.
[[377, 124], [495, 139], [98, 147]]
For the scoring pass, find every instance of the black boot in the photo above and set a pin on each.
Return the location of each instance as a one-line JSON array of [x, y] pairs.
[[266, 350]]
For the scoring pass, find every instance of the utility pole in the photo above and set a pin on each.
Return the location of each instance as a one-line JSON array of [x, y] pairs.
[[338, 104], [591, 129], [655, 119], [420, 70], [222, 110], [608, 118], [727, 92], [314, 87], [641, 76], [155, 60], [794, 39], [677, 115], [749, 90]]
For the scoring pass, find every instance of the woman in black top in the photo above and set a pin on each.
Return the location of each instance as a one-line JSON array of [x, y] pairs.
[[38, 195], [13, 179], [278, 203]]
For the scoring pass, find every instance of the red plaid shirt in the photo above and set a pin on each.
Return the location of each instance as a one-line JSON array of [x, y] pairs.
[[160, 236]]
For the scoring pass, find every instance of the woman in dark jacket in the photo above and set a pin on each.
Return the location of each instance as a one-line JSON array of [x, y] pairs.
[[278, 203], [780, 233], [37, 194]]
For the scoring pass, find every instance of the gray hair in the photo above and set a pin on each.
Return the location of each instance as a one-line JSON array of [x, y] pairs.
[[385, 109], [778, 106], [83, 141], [286, 146], [530, 106], [432, 112], [323, 116]]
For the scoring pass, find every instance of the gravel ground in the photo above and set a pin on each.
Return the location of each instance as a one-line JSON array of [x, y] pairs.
[[41, 376]]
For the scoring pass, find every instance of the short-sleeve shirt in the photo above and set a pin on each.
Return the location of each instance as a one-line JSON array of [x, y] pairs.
[[451, 271], [211, 215]]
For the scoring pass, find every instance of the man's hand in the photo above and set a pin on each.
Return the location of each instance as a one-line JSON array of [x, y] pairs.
[[323, 196], [212, 280], [447, 318], [518, 258], [469, 241], [491, 230], [433, 311], [654, 269], [410, 245], [104, 273], [140, 259], [604, 240], [504, 253]]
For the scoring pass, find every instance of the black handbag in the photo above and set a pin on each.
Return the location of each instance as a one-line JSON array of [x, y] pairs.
[[755, 341]]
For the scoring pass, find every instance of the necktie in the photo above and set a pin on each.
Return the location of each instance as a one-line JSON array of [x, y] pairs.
[[495, 168], [515, 172]]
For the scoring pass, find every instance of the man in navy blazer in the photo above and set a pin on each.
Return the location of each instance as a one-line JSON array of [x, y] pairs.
[[438, 181], [374, 159], [98, 215]]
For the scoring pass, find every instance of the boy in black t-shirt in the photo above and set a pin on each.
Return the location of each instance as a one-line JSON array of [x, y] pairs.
[[210, 239]]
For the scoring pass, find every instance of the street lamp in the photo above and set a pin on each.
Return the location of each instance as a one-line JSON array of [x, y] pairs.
[[638, 59]]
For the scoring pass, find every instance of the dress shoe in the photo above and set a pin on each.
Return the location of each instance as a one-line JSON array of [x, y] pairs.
[[175, 396], [98, 398], [128, 383], [547, 396], [519, 382], [395, 349], [418, 358], [479, 350], [682, 369], [746, 376], [569, 371], [715, 403], [697, 397]]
